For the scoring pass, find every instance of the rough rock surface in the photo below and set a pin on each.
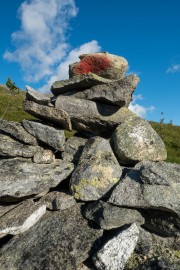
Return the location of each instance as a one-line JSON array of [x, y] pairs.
[[44, 157], [109, 217], [80, 82], [21, 218], [33, 95], [136, 140], [56, 200], [49, 135], [11, 148], [60, 240], [104, 64], [97, 172], [142, 188], [116, 93], [20, 177], [17, 131], [51, 114], [115, 253]]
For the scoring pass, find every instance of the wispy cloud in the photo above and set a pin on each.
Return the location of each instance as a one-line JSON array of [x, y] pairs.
[[173, 68], [139, 109], [40, 45]]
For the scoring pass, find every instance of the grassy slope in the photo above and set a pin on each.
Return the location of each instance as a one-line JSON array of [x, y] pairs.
[[169, 133]]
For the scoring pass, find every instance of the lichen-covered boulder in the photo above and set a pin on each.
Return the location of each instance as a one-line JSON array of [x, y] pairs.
[[97, 172], [44, 157], [104, 64], [136, 140]]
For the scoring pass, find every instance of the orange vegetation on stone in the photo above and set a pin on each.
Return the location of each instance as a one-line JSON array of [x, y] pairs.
[[92, 63]]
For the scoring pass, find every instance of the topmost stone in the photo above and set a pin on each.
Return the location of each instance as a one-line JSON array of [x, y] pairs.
[[103, 64]]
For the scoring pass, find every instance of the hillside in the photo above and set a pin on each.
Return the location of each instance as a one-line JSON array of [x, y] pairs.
[[11, 109]]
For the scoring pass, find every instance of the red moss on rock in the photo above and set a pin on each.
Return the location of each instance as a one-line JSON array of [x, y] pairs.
[[92, 63]]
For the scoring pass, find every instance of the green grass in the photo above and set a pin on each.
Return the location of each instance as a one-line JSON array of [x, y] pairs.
[[11, 109]]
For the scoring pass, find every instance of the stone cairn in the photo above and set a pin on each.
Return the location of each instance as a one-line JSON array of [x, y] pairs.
[[103, 199]]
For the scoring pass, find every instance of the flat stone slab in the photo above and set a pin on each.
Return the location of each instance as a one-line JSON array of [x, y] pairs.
[[21, 218], [79, 82], [115, 93], [97, 171], [12, 148], [17, 131], [49, 135], [50, 114], [33, 95], [21, 178]]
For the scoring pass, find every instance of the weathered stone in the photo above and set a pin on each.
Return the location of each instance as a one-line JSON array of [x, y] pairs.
[[86, 115], [20, 177], [11, 148], [56, 200], [97, 172], [115, 253], [17, 131], [4, 208], [109, 217], [104, 64], [117, 92], [145, 242], [49, 135], [21, 218], [80, 82], [157, 264], [144, 188], [60, 240], [51, 114], [136, 140], [73, 149], [44, 157], [33, 95]]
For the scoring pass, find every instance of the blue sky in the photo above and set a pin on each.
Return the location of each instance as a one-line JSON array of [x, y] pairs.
[[39, 38]]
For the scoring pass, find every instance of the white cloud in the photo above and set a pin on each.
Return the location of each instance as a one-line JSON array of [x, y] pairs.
[[173, 68], [139, 109], [41, 44]]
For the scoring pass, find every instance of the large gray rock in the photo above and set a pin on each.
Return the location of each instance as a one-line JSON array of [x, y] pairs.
[[12, 148], [49, 135], [153, 185], [47, 113], [115, 253], [86, 115], [20, 177], [109, 217], [17, 131], [104, 64], [4, 208], [136, 140], [33, 95], [97, 172], [116, 92], [79, 82], [60, 240], [21, 218]]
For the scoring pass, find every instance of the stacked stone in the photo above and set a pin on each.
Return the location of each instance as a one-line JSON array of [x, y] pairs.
[[103, 199]]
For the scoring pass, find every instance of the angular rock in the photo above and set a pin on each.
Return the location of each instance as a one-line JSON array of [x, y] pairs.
[[116, 92], [115, 253], [49, 135], [56, 200], [33, 95], [136, 140], [20, 177], [17, 131], [21, 218], [109, 217], [11, 148], [145, 242], [90, 116], [73, 149], [51, 114], [104, 64], [4, 208], [142, 188], [44, 157], [80, 82], [60, 240], [97, 172]]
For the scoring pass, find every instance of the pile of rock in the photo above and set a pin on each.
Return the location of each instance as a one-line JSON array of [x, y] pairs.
[[102, 199]]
